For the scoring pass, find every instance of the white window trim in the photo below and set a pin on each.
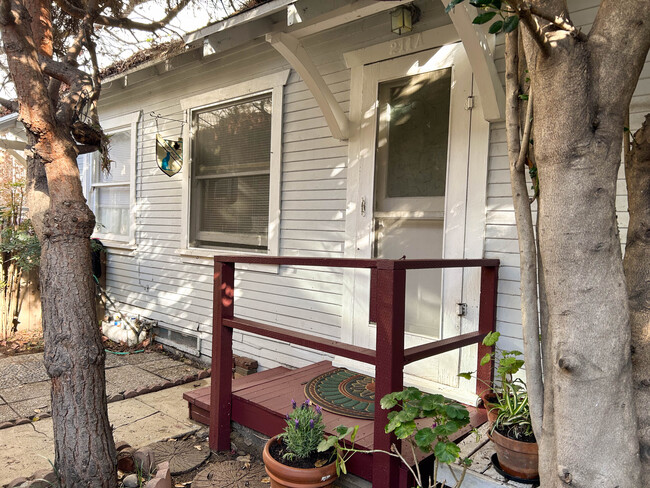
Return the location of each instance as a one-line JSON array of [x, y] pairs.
[[274, 84], [114, 124]]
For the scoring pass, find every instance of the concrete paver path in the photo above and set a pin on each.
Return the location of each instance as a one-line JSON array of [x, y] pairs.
[[138, 421]]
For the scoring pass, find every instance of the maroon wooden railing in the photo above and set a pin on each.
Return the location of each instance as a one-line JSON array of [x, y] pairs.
[[387, 299]]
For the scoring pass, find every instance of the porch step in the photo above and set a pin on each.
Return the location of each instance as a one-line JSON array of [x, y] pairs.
[[199, 400]]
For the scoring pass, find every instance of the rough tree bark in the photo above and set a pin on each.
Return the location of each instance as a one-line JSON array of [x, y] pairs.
[[581, 95], [74, 356], [51, 93], [637, 275]]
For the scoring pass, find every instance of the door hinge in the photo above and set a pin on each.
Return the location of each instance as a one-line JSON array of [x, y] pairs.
[[363, 207], [461, 309], [469, 103]]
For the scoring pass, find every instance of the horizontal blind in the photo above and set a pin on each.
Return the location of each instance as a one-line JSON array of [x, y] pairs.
[[119, 151], [231, 165]]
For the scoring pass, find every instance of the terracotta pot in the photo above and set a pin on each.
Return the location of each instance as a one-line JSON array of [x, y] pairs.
[[516, 458], [489, 400], [287, 477]]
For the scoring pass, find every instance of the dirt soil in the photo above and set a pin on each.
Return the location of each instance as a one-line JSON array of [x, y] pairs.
[[241, 452], [25, 342]]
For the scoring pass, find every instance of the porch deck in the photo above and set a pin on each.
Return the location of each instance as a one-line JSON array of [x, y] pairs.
[[260, 402]]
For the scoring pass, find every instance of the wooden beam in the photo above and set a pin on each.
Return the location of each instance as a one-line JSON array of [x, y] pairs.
[[221, 381], [306, 340], [18, 157], [10, 144], [291, 49], [317, 18], [424, 351], [487, 79], [224, 40]]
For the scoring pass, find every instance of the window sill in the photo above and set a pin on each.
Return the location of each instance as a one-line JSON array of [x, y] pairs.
[[206, 256], [121, 247]]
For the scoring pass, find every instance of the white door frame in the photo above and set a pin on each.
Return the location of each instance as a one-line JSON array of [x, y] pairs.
[[469, 200]]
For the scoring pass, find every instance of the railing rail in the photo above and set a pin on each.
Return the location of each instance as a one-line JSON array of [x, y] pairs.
[[387, 306]]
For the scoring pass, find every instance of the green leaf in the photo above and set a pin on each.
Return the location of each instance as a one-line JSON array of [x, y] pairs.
[[388, 402], [446, 452], [451, 5], [510, 23], [496, 4], [495, 29], [354, 433], [405, 430], [484, 17], [456, 411], [446, 429], [492, 338], [342, 431], [486, 359], [480, 3], [326, 444], [425, 437], [467, 376]]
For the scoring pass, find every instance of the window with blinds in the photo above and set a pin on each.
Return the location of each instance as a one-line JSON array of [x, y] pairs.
[[231, 152], [111, 191]]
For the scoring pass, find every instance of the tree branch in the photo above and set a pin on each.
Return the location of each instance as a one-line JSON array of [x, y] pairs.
[[527, 250], [64, 72], [9, 104], [531, 24], [525, 139], [558, 21], [123, 22]]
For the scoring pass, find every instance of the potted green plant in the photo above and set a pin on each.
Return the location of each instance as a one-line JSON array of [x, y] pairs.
[[447, 418], [291, 459], [508, 412]]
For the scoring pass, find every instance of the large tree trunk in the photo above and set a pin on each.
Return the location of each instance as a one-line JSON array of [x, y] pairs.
[[74, 357], [637, 275], [578, 155]]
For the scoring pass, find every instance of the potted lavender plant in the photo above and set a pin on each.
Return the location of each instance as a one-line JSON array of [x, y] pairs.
[[291, 459]]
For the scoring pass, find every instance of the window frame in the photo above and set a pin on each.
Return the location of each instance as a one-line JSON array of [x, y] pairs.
[[111, 126], [273, 84]]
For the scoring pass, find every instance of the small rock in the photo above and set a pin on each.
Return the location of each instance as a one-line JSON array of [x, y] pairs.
[[159, 483], [130, 394], [115, 398], [145, 460], [17, 482], [45, 474], [22, 421], [6, 425], [125, 461], [131, 481], [120, 445]]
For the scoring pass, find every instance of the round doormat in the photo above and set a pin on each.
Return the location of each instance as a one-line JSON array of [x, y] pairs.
[[343, 392]]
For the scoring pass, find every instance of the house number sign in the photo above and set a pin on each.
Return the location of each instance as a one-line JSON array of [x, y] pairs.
[[405, 45]]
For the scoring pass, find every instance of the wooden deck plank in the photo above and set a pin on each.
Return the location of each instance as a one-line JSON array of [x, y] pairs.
[[260, 402], [295, 378]]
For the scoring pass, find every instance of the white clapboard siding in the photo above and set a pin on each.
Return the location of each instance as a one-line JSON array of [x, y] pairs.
[[156, 281]]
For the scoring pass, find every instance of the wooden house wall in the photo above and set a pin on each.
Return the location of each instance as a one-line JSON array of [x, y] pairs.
[[157, 282]]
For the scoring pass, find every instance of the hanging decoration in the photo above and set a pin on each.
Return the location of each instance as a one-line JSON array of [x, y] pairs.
[[169, 155], [169, 152]]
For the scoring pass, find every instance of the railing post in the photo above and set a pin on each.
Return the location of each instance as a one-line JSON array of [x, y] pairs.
[[221, 381], [390, 293], [486, 323]]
